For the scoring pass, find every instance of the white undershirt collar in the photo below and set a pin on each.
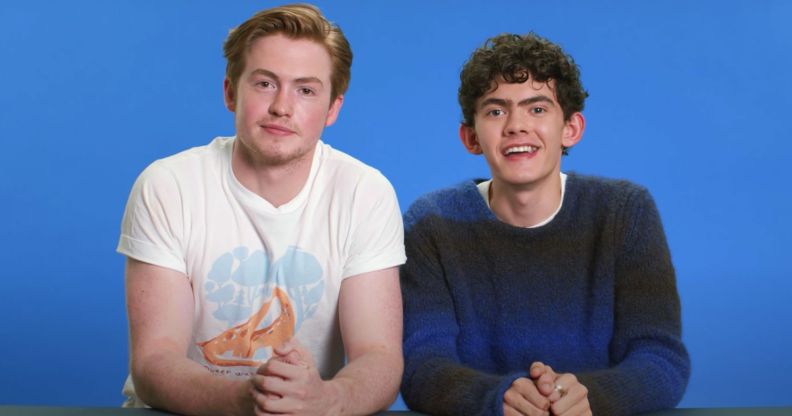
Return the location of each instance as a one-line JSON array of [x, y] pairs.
[[484, 187]]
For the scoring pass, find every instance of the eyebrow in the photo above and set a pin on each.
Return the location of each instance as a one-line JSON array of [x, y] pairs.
[[528, 101], [301, 80]]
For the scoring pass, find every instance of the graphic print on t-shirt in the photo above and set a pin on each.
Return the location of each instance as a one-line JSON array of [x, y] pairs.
[[263, 303]]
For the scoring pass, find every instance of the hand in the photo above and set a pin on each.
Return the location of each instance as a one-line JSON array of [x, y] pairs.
[[290, 383], [523, 398], [567, 395]]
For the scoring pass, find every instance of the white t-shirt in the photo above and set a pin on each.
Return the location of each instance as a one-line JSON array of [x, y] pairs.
[[262, 274], [484, 187]]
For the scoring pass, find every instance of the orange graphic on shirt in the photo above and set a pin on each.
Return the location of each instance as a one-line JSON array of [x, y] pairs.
[[244, 339]]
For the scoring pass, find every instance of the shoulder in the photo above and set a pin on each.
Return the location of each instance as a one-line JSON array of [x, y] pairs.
[[602, 185], [459, 202], [604, 191], [348, 174], [339, 164], [189, 165], [616, 203]]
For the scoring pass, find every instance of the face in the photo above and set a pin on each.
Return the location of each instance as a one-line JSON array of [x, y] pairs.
[[281, 102], [520, 129]]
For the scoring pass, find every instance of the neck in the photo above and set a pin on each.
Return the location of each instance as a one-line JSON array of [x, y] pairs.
[[276, 183], [523, 206]]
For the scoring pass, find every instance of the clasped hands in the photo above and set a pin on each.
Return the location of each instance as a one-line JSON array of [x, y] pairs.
[[289, 383], [545, 393]]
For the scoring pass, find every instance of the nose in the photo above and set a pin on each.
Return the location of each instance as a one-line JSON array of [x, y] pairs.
[[281, 104], [516, 123]]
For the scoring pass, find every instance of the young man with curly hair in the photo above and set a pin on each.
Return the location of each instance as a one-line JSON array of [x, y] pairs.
[[536, 292], [259, 262]]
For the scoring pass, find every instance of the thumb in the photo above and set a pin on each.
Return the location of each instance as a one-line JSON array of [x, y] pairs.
[[293, 352], [537, 369]]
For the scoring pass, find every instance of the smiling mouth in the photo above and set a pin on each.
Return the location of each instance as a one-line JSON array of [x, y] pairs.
[[520, 149]]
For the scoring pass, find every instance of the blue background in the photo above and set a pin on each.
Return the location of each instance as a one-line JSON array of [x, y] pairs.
[[691, 99]]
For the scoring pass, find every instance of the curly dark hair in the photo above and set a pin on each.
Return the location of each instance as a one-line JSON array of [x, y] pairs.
[[516, 58]]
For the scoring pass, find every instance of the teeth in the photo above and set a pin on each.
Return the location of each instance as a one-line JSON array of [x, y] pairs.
[[520, 149]]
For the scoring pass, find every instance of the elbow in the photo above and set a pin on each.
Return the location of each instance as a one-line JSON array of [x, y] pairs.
[[681, 376], [409, 388], [394, 381], [671, 382], [142, 385], [144, 373]]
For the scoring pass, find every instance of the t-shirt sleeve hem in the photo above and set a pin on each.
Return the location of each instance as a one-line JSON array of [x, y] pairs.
[[149, 253], [377, 264]]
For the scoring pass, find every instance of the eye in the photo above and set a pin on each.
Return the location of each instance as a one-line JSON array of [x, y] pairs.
[[538, 110], [495, 112], [306, 91], [265, 84]]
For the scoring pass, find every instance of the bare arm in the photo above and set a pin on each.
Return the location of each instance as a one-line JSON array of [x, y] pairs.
[[370, 311], [160, 309]]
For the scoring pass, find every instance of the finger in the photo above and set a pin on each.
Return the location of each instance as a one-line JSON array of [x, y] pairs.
[[561, 386], [263, 413], [262, 368], [292, 357], [581, 408], [283, 405], [537, 369], [577, 394], [523, 397], [573, 392], [279, 368], [275, 364], [305, 354], [257, 387], [286, 347], [514, 401], [295, 352], [292, 345], [546, 382], [510, 411], [260, 412], [272, 387], [261, 402]]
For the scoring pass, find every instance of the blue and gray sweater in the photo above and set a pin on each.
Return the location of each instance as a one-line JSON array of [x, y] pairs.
[[592, 293]]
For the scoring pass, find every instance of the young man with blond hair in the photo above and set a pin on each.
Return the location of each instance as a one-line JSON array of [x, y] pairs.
[[258, 263], [536, 292]]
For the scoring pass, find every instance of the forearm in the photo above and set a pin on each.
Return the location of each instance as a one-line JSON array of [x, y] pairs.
[[367, 384], [441, 386], [644, 382], [649, 365], [170, 381]]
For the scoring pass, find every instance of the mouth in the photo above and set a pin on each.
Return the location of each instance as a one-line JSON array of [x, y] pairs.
[[277, 130], [516, 150]]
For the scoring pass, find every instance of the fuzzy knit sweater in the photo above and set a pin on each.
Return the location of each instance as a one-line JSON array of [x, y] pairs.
[[592, 293]]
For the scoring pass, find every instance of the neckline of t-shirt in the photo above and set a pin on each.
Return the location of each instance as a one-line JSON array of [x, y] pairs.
[[256, 202], [483, 190]]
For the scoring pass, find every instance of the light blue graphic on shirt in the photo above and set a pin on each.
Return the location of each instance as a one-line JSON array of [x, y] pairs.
[[263, 303]]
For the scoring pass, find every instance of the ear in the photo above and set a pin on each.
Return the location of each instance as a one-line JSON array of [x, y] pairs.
[[573, 130], [335, 108], [229, 95], [470, 139]]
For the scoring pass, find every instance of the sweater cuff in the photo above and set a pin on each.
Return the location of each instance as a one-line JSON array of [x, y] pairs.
[[506, 382]]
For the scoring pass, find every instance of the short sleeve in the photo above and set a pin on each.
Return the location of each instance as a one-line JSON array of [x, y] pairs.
[[153, 223], [377, 233]]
